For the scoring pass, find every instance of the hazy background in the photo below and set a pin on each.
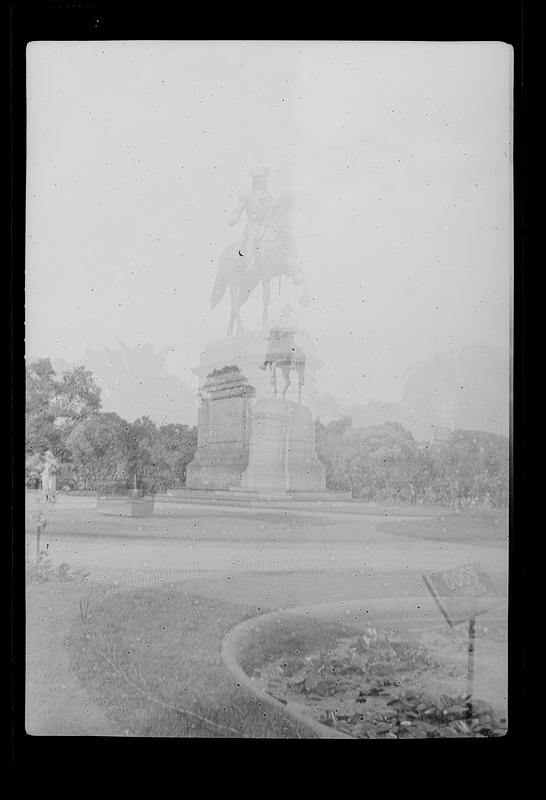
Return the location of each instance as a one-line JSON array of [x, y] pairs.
[[137, 152]]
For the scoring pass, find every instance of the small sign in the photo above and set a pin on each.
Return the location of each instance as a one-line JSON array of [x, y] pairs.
[[463, 592]]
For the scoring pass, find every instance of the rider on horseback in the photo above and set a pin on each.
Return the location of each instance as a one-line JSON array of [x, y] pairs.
[[267, 249], [258, 205]]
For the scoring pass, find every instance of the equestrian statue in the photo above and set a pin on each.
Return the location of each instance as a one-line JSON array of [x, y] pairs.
[[283, 353], [268, 248]]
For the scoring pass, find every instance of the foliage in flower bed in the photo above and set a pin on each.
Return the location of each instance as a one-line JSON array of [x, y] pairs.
[[370, 686]]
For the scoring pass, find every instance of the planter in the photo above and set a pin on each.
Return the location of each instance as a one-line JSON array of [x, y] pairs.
[[123, 506]]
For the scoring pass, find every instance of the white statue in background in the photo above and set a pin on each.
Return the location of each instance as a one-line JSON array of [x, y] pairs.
[[49, 479]]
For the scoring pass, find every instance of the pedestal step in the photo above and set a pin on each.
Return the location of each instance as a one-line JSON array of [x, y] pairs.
[[236, 496], [126, 506]]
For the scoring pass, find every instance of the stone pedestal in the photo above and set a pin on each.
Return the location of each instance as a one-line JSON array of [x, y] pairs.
[[282, 452], [223, 430], [247, 438]]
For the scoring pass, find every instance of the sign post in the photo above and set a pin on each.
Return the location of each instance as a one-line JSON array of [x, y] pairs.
[[40, 524], [38, 527], [470, 674], [461, 594]]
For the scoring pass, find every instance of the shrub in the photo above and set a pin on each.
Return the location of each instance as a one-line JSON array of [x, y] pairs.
[[383, 463]]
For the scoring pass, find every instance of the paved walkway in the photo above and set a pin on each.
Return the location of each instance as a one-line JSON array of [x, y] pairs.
[[106, 557], [209, 540]]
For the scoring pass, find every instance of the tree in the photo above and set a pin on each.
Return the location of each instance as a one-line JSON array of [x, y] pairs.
[[331, 442], [41, 389], [387, 465], [100, 450], [141, 446], [176, 447], [473, 466], [54, 406], [78, 396], [378, 462]]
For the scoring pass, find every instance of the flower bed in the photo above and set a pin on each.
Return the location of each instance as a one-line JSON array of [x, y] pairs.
[[383, 684]]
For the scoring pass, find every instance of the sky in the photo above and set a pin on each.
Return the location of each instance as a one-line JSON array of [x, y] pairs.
[[138, 151]]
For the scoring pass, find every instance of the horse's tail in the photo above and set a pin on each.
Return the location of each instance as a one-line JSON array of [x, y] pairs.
[[220, 284]]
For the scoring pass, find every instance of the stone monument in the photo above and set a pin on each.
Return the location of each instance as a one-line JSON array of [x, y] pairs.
[[256, 432], [252, 433]]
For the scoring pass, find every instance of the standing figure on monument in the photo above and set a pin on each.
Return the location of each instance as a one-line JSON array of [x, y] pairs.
[[267, 248]]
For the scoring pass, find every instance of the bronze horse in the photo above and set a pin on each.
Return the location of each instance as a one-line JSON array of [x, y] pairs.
[[283, 353]]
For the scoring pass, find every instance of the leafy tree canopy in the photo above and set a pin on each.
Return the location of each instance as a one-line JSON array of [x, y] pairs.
[[54, 406]]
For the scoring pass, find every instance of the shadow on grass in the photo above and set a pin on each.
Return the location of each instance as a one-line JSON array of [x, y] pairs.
[[151, 659]]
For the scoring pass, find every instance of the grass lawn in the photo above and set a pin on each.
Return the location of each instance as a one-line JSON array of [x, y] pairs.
[[129, 668], [151, 660], [56, 702]]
